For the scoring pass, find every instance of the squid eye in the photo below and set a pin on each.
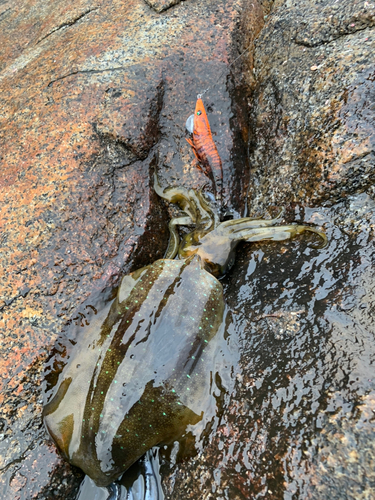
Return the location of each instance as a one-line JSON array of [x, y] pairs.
[[199, 113], [209, 196]]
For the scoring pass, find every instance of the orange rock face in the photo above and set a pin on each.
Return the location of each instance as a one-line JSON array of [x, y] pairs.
[[94, 97]]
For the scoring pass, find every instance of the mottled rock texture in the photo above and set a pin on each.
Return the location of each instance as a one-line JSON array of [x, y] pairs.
[[313, 106], [299, 423], [94, 97]]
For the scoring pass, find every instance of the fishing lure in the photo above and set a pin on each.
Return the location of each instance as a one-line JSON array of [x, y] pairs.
[[204, 147], [203, 144]]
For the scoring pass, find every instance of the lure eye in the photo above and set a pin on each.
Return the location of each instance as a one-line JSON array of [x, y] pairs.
[[199, 113]]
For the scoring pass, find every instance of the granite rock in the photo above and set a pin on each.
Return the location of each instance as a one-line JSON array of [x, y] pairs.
[[94, 99]]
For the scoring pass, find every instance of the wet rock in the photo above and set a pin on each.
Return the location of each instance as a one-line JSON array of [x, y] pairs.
[[313, 131], [94, 98], [299, 421]]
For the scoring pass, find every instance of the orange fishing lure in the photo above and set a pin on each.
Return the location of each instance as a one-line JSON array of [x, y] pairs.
[[204, 147]]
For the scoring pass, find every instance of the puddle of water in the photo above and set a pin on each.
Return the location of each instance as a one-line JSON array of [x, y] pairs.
[[140, 482]]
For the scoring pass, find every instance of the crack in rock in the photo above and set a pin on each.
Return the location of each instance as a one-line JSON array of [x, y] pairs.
[[2, 14], [83, 71], [161, 5], [332, 38], [68, 23]]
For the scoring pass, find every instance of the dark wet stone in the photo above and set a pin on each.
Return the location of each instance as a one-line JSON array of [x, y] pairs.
[[299, 422], [313, 135]]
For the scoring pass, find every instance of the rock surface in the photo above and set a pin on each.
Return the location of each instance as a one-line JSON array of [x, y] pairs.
[[313, 107], [300, 421], [94, 97], [160, 5]]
